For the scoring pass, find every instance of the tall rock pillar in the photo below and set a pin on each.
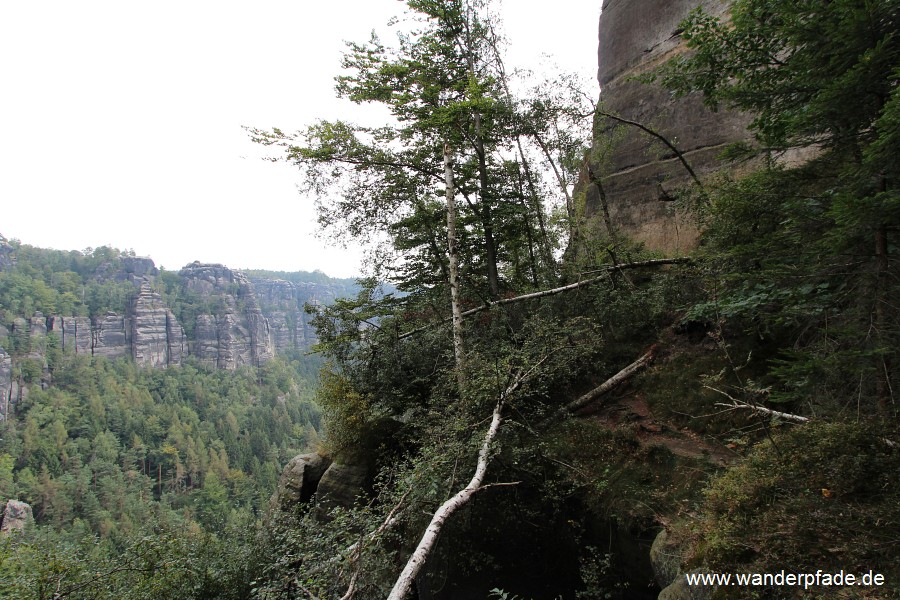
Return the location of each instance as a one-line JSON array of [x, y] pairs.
[[637, 172]]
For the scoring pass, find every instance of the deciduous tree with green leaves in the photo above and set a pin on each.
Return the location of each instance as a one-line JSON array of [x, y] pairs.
[[807, 246]]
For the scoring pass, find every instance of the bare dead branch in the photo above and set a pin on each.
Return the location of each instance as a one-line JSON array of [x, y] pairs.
[[429, 538], [426, 544], [658, 136], [737, 404]]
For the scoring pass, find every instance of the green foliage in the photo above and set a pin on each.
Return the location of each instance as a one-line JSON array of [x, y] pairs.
[[444, 83], [822, 496], [803, 256], [63, 283], [811, 73], [161, 563], [108, 441]]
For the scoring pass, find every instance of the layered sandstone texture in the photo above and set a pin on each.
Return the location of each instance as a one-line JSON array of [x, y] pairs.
[[283, 302], [230, 321], [638, 173], [235, 334]]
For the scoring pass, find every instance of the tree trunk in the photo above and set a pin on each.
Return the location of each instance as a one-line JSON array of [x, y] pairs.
[[882, 381], [453, 250], [538, 209], [604, 206], [487, 222], [429, 538], [607, 271], [607, 385]]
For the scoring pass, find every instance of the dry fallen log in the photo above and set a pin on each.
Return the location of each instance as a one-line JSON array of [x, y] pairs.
[[607, 385], [737, 404]]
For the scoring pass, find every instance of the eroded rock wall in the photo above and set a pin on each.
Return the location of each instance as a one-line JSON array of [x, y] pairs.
[[6, 384], [231, 325], [157, 339], [237, 333], [639, 174], [282, 302]]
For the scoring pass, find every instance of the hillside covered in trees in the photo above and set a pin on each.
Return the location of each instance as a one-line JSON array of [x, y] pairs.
[[142, 481], [554, 405]]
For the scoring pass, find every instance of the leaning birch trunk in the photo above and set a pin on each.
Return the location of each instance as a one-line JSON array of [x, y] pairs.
[[453, 250], [429, 538]]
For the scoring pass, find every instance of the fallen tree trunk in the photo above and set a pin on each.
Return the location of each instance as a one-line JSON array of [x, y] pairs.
[[552, 292], [607, 385], [737, 404], [429, 538], [426, 545]]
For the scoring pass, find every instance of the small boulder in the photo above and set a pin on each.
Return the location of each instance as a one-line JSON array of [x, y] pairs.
[[680, 590], [342, 484], [665, 558]]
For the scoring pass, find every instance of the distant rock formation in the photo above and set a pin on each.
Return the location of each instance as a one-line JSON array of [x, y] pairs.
[[638, 172], [157, 339], [232, 321], [239, 333], [282, 302], [16, 517], [6, 384]]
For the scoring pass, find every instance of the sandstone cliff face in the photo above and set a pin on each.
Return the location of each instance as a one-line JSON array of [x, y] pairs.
[[157, 340], [236, 335], [111, 337], [637, 171], [240, 322], [6, 384], [76, 333], [282, 304]]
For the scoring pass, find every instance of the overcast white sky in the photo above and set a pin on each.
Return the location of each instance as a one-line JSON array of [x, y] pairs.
[[121, 120]]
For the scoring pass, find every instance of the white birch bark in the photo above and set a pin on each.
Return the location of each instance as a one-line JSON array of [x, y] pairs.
[[453, 250], [429, 538], [607, 385]]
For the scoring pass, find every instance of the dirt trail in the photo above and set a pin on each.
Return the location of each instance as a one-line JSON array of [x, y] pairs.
[[631, 411]]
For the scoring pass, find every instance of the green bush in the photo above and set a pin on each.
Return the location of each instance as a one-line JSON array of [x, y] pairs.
[[820, 496]]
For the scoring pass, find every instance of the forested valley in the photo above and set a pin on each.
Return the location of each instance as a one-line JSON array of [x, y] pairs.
[[143, 482], [627, 341]]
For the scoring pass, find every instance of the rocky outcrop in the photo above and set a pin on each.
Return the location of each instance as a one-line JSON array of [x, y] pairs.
[[157, 340], [230, 327], [638, 173], [300, 480], [282, 302], [16, 517], [134, 269], [680, 590], [665, 557], [237, 333], [148, 333], [111, 337], [6, 384], [76, 333], [342, 484]]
